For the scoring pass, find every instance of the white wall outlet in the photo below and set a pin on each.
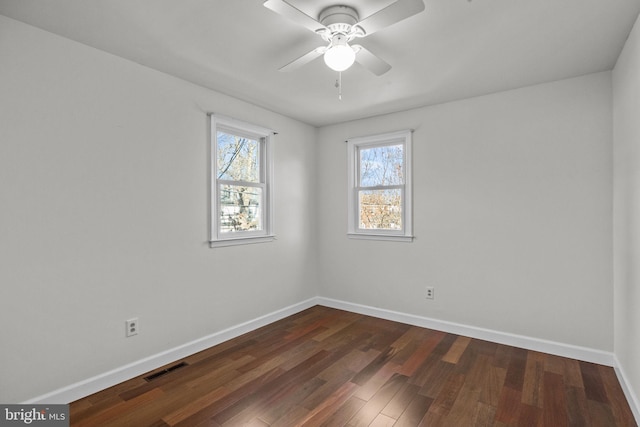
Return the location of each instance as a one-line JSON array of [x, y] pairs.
[[430, 293], [132, 327]]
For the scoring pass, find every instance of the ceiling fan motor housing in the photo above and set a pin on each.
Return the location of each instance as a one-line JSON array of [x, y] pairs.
[[339, 19]]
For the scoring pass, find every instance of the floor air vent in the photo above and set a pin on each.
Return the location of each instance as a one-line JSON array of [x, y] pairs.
[[165, 371]]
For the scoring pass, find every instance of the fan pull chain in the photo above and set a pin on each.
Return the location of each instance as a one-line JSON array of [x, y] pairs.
[[339, 85]]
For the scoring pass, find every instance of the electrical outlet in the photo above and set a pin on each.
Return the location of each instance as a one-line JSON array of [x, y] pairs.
[[132, 327], [430, 293]]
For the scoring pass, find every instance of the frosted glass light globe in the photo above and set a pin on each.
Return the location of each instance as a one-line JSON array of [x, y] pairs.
[[339, 57]]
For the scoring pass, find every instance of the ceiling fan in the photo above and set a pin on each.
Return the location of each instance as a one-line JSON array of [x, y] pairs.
[[339, 25]]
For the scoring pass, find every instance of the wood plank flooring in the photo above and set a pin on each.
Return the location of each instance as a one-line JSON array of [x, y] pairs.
[[326, 367]]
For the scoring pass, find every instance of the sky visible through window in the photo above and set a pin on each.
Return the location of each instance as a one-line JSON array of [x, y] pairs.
[[381, 166], [238, 158]]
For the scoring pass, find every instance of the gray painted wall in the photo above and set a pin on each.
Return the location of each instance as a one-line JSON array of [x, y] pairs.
[[626, 118], [103, 177], [512, 214]]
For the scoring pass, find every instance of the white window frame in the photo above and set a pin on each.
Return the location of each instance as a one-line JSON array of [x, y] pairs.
[[353, 218], [265, 137]]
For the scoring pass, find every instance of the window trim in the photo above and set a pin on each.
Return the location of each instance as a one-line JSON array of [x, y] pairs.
[[265, 137], [354, 145]]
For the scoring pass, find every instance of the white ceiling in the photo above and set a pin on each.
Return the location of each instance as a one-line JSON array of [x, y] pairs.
[[454, 49]]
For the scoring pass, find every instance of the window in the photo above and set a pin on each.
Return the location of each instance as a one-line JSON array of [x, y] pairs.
[[380, 187], [241, 184]]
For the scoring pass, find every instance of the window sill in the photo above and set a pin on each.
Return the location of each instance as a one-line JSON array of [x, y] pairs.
[[388, 237], [241, 241]]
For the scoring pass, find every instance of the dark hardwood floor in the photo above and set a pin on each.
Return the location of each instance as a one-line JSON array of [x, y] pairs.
[[329, 367]]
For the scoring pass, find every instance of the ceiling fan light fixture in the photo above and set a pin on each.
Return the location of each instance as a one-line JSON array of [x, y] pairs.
[[340, 56]]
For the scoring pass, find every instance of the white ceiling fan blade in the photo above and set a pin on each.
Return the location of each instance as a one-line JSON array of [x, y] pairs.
[[395, 12], [295, 14], [369, 61], [304, 59]]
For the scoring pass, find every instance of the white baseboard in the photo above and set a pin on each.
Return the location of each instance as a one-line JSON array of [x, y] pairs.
[[535, 344], [100, 382], [116, 376], [634, 403]]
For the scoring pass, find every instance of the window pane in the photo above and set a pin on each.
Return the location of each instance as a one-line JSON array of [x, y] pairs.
[[380, 209], [240, 208], [238, 158], [382, 166]]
